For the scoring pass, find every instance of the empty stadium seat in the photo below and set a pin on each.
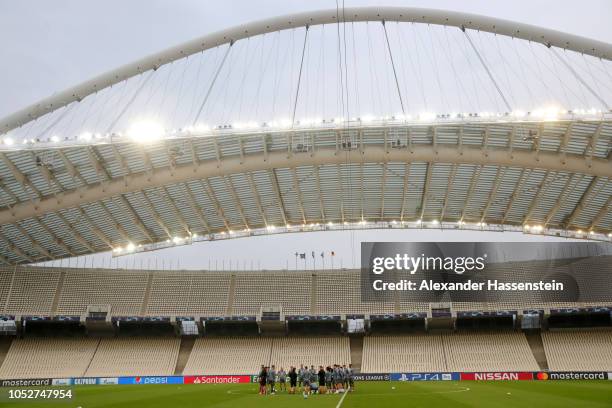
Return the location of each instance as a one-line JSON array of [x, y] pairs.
[[288, 351], [223, 356], [410, 353], [578, 350], [134, 356], [199, 293], [33, 290], [500, 351], [123, 290], [48, 357]]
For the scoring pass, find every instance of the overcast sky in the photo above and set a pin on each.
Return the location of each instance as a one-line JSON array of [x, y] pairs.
[[46, 46]]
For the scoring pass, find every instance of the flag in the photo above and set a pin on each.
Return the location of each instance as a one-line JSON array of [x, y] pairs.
[[313, 254], [322, 254], [303, 255], [333, 253]]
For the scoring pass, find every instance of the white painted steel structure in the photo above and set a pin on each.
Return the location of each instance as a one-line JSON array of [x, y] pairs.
[[533, 174], [550, 38]]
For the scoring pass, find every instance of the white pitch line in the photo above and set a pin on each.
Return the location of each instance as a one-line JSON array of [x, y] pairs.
[[341, 399]]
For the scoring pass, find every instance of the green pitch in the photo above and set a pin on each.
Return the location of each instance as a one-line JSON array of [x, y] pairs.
[[590, 394]]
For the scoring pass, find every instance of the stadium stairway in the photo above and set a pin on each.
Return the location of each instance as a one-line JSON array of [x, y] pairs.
[[147, 295], [92, 357], [356, 344], [537, 348], [231, 294], [5, 345], [10, 290], [184, 353], [313, 295], [58, 292]]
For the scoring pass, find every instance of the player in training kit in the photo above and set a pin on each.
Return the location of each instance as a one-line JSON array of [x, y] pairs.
[[321, 375], [272, 379], [292, 380], [351, 378], [263, 377], [328, 379], [313, 374], [282, 379], [336, 378], [300, 375], [306, 382]]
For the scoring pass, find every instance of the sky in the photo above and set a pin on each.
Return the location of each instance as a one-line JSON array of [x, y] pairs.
[[48, 46]]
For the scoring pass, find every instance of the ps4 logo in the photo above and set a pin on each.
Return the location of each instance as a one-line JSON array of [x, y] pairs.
[[426, 377]]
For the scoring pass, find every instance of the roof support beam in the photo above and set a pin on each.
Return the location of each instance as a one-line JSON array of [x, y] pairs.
[[117, 226], [57, 240], [499, 176], [382, 192], [449, 187], [195, 207], [470, 192], [360, 190], [14, 248], [101, 171], [255, 193], [319, 194], [405, 190], [425, 190], [603, 211], [525, 173], [279, 197], [325, 156], [565, 193], [298, 192], [93, 228], [341, 182], [175, 210], [34, 242], [542, 188], [584, 199], [76, 233], [593, 142], [230, 186], [136, 218], [44, 170], [19, 176], [155, 214], [213, 198]]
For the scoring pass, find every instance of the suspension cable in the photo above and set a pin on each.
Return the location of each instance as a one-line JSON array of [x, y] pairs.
[[580, 79], [399, 92], [297, 91], [212, 84], [482, 61]]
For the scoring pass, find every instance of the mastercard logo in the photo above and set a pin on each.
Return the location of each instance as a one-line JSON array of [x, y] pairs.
[[542, 376]]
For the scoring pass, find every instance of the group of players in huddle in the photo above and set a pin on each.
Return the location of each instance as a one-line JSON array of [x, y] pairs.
[[330, 379]]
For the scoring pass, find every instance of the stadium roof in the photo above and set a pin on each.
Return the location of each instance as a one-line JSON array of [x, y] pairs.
[[547, 173], [95, 197]]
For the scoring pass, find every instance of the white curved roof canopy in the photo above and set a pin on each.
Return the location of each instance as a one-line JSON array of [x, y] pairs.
[[108, 195], [550, 38], [531, 173]]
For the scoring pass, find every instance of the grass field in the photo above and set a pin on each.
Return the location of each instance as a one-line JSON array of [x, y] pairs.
[[369, 394]]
